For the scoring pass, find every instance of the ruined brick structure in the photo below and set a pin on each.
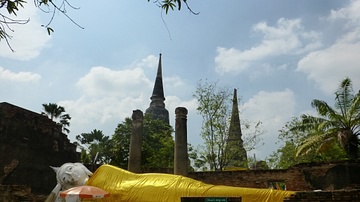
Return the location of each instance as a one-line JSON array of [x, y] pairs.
[[235, 144], [29, 144], [326, 196], [302, 177]]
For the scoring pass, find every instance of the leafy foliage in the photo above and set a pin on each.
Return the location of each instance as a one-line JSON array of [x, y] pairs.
[[54, 112], [333, 135], [95, 147], [12, 7], [252, 134], [340, 124], [172, 4], [197, 158], [157, 148], [257, 165], [52, 7], [286, 156], [214, 105], [121, 143], [47, 6], [158, 144]]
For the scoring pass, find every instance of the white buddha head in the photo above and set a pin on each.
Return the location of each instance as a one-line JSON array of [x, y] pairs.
[[71, 175]]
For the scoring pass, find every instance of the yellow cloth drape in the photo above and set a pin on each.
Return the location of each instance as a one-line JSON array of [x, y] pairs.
[[155, 187]]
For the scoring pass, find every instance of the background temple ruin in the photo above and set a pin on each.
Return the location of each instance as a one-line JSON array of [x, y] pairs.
[[30, 143]]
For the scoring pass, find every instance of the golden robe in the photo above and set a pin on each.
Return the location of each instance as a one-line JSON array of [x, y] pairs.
[[125, 186]]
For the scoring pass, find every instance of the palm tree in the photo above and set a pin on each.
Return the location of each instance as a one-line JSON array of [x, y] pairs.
[[340, 125], [53, 111], [96, 146]]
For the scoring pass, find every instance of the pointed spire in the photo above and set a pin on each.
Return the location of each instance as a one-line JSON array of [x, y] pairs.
[[157, 105], [158, 91], [235, 147], [235, 128]]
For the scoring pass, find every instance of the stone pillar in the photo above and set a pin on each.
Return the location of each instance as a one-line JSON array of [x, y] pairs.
[[134, 164], [181, 154]]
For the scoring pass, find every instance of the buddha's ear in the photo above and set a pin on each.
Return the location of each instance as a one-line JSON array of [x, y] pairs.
[[55, 168]]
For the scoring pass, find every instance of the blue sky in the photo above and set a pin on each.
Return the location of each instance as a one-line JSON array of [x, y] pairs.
[[279, 54]]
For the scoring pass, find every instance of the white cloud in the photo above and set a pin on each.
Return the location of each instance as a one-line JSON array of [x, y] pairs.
[[350, 13], [230, 60], [28, 39], [151, 61], [99, 113], [8, 75], [273, 109], [287, 38], [329, 66], [109, 96], [194, 120], [102, 81], [172, 102], [264, 70], [174, 81]]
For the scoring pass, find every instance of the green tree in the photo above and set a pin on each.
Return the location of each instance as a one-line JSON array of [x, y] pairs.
[[257, 165], [197, 158], [121, 143], [286, 157], [253, 132], [56, 112], [157, 145], [95, 147], [213, 106], [84, 156], [340, 124], [332, 135]]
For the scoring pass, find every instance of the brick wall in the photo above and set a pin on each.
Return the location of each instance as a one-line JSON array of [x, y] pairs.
[[29, 144], [326, 196], [307, 176], [19, 193], [27, 150]]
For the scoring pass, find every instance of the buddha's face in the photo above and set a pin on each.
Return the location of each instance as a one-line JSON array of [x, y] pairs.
[[72, 175]]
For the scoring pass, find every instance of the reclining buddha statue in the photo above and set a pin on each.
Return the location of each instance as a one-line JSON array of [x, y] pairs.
[[125, 186]]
